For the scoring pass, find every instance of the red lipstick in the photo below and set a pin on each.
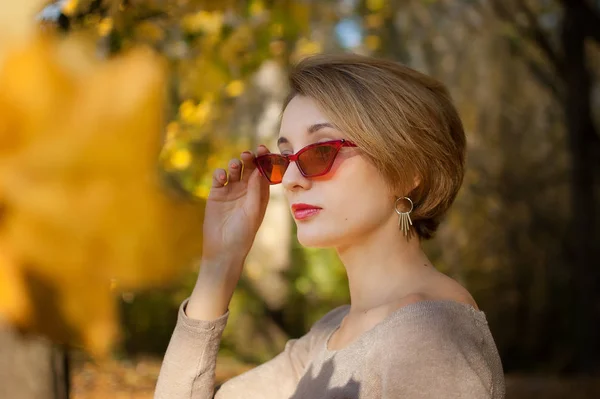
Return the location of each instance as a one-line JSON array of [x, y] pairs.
[[304, 211]]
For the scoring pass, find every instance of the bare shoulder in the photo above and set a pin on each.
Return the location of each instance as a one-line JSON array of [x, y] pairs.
[[439, 286], [445, 287]]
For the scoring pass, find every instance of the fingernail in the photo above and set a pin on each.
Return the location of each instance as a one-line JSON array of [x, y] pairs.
[[246, 152], [221, 176], [234, 166], [262, 145]]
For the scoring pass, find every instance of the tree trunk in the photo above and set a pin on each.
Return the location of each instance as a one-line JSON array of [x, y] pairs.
[[581, 130], [31, 367]]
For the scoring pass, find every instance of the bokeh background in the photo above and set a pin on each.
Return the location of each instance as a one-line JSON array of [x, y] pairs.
[[114, 113]]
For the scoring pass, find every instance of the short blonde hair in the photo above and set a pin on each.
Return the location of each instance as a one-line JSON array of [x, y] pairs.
[[404, 122]]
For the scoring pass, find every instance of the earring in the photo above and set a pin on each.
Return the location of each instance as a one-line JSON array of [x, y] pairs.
[[404, 221]]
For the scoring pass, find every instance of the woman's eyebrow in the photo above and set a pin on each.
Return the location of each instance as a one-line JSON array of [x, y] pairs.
[[319, 126], [311, 129]]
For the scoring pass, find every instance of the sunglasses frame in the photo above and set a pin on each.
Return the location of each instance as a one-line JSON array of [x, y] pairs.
[[337, 144]]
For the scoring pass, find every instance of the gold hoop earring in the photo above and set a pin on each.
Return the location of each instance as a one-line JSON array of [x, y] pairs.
[[404, 221]]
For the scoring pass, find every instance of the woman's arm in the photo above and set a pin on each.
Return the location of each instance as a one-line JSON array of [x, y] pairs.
[[188, 369], [234, 210]]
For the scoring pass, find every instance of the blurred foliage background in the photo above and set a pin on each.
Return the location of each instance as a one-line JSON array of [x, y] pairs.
[[522, 235]]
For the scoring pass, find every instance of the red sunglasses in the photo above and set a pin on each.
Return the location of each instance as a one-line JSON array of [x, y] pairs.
[[313, 160]]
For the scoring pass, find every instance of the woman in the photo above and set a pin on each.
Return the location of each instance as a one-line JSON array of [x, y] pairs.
[[371, 158]]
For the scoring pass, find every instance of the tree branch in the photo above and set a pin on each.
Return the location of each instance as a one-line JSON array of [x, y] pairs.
[[542, 75], [545, 78], [535, 33]]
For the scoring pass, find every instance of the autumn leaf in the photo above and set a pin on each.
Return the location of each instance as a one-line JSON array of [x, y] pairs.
[[81, 202]]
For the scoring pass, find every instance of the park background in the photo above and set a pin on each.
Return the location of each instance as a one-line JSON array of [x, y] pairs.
[[113, 115]]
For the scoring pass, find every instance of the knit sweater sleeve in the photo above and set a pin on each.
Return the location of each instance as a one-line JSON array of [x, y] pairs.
[[188, 368], [439, 354]]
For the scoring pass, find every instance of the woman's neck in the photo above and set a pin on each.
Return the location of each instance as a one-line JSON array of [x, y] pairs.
[[383, 266]]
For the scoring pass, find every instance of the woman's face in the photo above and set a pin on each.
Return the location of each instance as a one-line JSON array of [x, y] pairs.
[[349, 202]]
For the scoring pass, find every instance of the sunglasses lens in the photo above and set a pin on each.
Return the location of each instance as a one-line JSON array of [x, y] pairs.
[[317, 160], [273, 167]]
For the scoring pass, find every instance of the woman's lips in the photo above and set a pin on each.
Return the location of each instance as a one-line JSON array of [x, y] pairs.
[[304, 211]]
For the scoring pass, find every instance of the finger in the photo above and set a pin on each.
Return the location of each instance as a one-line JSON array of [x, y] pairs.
[[258, 189], [248, 158], [219, 178], [248, 165], [235, 170], [262, 149]]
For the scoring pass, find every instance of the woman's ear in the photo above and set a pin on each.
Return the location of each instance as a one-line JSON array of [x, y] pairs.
[[405, 190], [416, 182]]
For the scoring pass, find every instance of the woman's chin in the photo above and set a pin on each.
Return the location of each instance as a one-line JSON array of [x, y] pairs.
[[315, 240]]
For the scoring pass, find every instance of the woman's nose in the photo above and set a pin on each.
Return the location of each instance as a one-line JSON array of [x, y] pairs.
[[293, 179]]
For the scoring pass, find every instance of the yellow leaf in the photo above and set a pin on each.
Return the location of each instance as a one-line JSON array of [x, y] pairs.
[[180, 159], [187, 110], [202, 191], [79, 143], [375, 5], [195, 114], [203, 21], [305, 47], [105, 26], [257, 7], [202, 111], [373, 42], [235, 88], [69, 7]]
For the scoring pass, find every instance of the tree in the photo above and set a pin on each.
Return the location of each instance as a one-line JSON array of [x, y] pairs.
[[32, 367], [570, 82]]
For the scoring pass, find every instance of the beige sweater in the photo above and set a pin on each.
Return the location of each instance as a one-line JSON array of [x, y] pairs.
[[429, 349]]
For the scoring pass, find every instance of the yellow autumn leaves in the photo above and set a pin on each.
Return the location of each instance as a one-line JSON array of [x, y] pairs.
[[81, 202]]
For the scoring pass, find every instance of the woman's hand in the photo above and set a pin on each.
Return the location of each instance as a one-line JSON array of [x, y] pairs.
[[235, 209]]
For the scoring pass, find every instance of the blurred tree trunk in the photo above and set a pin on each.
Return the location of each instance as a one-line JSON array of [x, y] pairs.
[[31, 367], [583, 139], [569, 81]]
